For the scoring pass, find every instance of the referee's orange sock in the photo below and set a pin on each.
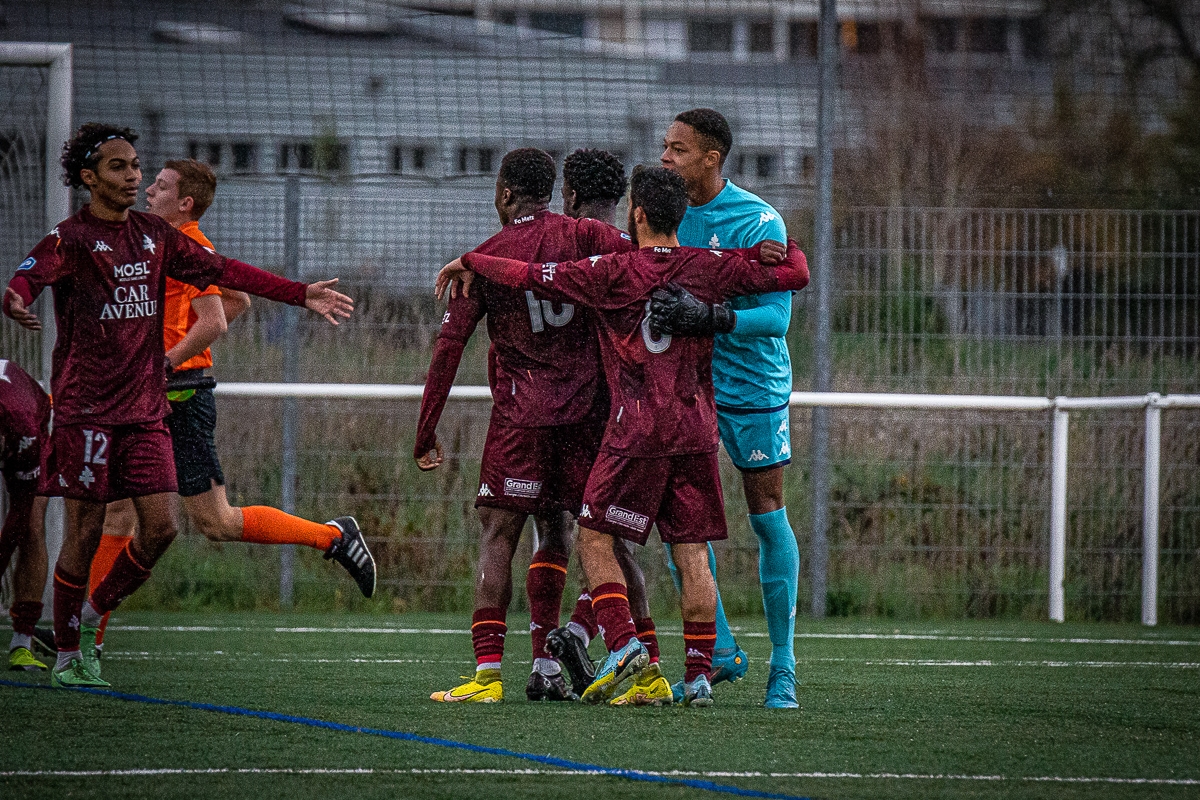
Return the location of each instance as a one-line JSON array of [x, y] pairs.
[[102, 563], [266, 525]]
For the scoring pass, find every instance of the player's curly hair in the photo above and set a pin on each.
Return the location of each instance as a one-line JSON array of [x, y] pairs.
[[82, 151], [660, 193], [595, 176], [712, 128], [529, 172]]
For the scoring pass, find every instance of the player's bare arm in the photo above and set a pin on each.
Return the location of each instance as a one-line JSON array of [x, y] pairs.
[[450, 276], [234, 304], [210, 324], [14, 306]]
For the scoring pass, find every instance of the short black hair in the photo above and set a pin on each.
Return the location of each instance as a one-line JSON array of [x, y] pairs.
[[529, 172], [712, 127], [661, 194], [82, 151], [595, 176]]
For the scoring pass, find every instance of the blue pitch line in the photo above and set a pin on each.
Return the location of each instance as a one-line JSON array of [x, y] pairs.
[[237, 711]]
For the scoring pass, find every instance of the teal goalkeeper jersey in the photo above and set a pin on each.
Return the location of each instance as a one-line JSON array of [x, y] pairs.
[[749, 371]]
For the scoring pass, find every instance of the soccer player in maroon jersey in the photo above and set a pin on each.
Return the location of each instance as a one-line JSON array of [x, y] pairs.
[[108, 266], [658, 461], [547, 419], [24, 420], [593, 183]]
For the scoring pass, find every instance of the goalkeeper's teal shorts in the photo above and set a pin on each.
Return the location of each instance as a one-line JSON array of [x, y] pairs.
[[756, 439]]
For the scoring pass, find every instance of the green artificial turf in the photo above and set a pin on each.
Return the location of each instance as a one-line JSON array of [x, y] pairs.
[[964, 699]]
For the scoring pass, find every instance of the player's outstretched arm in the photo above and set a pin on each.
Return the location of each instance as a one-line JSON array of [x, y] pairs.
[[450, 276], [14, 307], [677, 312]]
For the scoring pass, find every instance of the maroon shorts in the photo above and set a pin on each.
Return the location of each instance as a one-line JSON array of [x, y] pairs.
[[537, 470], [103, 463], [681, 494]]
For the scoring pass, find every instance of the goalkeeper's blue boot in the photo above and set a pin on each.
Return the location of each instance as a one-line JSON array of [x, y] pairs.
[[781, 688], [619, 667], [730, 666]]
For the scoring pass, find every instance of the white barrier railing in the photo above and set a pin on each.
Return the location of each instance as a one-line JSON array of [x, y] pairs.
[[1061, 407]]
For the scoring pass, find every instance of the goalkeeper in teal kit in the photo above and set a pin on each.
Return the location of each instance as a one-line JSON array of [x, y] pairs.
[[752, 374]]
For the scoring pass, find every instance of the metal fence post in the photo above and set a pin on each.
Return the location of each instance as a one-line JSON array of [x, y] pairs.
[[1058, 509], [822, 378], [1150, 509], [291, 374]]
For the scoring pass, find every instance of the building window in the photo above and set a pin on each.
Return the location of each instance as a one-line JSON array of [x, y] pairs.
[[411, 159], [476, 160], [987, 35], [324, 154], [802, 40], [943, 32], [870, 38], [568, 24], [758, 167], [710, 36], [1033, 38], [296, 156], [245, 157], [762, 37], [214, 153], [194, 150]]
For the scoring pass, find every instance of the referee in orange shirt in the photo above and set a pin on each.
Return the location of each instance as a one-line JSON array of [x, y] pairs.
[[192, 320]]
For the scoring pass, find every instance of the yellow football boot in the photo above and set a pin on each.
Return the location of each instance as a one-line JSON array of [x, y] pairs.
[[649, 688], [21, 660], [485, 687]]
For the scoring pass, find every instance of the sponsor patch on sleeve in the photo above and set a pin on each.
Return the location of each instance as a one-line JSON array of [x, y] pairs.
[[27, 263]]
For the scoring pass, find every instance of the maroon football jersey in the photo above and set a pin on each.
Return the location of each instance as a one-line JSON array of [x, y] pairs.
[[660, 386], [109, 279], [544, 361], [24, 416]]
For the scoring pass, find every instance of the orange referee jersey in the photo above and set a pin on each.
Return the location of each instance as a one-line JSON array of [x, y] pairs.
[[178, 315]]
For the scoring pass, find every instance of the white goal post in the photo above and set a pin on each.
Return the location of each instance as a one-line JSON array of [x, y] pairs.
[[59, 101], [1153, 403]]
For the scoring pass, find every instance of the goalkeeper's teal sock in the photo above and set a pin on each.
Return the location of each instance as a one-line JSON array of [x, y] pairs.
[[725, 644], [779, 574]]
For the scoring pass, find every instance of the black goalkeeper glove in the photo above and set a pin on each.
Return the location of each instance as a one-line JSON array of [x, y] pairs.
[[675, 311]]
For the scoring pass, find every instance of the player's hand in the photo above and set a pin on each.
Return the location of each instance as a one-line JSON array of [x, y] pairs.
[[321, 298], [771, 253], [675, 311], [17, 310], [450, 276], [433, 459]]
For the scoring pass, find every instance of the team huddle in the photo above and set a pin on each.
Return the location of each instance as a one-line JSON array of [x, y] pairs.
[[618, 363]]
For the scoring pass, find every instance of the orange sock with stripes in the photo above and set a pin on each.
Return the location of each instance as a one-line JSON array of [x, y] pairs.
[[544, 586], [699, 638], [266, 525], [106, 555]]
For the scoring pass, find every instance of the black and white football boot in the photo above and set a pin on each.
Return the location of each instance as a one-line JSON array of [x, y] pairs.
[[350, 550], [569, 649], [548, 687]]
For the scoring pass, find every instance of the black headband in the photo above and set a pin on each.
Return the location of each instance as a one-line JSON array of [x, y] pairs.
[[96, 146]]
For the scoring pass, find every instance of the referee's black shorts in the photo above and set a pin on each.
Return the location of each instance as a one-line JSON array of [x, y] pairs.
[[193, 425]]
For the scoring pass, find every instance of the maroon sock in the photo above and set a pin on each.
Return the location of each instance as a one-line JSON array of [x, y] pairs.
[[488, 628], [125, 577], [69, 592], [25, 615], [544, 587], [699, 638], [585, 616], [647, 636], [611, 604]]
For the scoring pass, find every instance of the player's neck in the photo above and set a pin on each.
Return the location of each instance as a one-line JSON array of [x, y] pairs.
[[522, 209], [604, 212], [648, 239], [702, 192], [106, 211]]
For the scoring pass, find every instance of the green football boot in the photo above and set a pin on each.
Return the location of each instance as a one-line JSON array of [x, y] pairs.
[[87, 648], [75, 676]]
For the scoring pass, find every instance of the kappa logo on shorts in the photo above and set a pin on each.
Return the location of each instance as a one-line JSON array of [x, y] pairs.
[[627, 519], [586, 512], [86, 477], [783, 426], [785, 449], [516, 487], [485, 491], [757, 455]]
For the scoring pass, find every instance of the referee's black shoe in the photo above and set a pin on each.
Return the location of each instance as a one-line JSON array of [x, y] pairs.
[[350, 550], [572, 654]]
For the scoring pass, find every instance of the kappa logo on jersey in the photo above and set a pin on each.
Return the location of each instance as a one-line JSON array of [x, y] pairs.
[[757, 455], [586, 512], [86, 477], [101, 247], [516, 487], [147, 243], [54, 232], [137, 271], [765, 217], [27, 263], [484, 491], [714, 242], [548, 271], [627, 519]]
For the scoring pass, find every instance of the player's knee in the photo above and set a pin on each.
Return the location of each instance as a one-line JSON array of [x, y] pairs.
[[217, 529]]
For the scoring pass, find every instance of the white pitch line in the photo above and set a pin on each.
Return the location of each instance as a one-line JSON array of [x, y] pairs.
[[153, 772], [918, 637], [938, 662]]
